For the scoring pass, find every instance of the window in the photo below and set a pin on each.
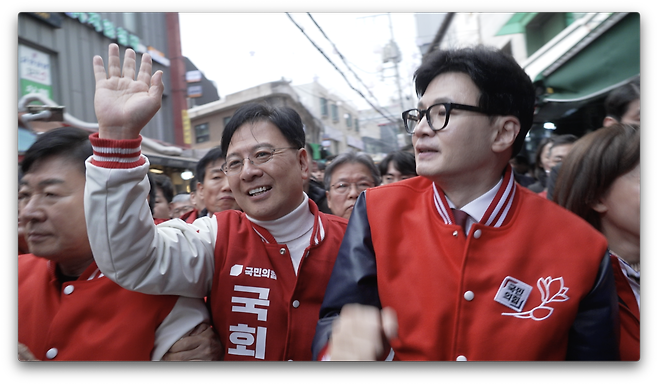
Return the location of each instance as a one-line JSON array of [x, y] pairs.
[[348, 120], [226, 120], [356, 125], [324, 107], [202, 132], [334, 112]]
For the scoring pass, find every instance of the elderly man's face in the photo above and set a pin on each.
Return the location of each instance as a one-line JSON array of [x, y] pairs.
[[52, 212], [348, 180]]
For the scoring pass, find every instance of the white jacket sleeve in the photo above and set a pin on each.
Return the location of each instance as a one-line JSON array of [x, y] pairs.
[[185, 316], [172, 258]]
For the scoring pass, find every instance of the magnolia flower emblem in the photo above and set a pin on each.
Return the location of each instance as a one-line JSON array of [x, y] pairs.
[[552, 290]]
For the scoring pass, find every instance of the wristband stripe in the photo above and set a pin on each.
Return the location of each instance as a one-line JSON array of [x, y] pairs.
[[109, 153]]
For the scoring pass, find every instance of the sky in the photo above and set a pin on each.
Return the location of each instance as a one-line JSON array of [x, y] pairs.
[[241, 50]]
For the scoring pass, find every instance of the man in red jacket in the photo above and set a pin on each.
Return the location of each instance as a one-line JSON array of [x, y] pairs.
[[264, 270], [462, 263], [67, 309]]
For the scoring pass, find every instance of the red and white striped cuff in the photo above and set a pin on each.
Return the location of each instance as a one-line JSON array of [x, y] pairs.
[[109, 153]]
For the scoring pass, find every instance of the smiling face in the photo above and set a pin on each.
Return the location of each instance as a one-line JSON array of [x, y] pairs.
[[275, 188], [464, 146], [52, 212]]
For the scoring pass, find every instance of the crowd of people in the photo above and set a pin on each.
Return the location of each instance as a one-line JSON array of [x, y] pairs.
[[435, 253]]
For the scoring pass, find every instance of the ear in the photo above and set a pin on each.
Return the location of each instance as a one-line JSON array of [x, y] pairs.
[[600, 207], [328, 199], [506, 130], [302, 158], [199, 189], [609, 121]]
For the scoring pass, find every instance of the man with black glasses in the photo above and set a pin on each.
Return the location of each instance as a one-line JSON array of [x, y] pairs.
[[263, 270], [462, 263]]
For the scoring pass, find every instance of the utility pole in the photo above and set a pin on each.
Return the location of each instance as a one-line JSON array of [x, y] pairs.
[[391, 54]]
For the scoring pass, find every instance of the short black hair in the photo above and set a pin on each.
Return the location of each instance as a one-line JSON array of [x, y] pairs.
[[505, 88], [285, 119], [164, 183], [68, 142], [404, 161], [211, 156]]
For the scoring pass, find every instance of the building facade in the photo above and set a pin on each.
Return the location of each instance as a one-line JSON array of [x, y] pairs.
[[338, 119], [574, 59], [55, 52], [209, 120]]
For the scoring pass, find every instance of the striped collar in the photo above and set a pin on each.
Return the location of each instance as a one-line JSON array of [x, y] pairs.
[[497, 210]]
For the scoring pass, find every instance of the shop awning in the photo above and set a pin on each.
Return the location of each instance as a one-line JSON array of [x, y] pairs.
[[604, 63], [517, 23]]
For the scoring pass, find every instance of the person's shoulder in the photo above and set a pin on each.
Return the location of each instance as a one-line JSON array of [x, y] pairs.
[[333, 220], [417, 184], [554, 216]]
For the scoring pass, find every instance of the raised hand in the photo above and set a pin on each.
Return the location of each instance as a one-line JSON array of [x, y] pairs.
[[125, 104]]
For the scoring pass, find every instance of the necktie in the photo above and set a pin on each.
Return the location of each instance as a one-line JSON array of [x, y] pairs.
[[460, 218]]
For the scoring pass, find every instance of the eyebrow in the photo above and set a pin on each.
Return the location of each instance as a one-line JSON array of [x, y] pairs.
[[253, 148], [435, 101], [44, 183]]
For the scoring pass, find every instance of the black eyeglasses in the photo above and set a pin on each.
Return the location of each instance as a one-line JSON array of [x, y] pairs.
[[437, 115]]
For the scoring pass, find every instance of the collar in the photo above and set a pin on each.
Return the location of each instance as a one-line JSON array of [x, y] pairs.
[[489, 209], [291, 226]]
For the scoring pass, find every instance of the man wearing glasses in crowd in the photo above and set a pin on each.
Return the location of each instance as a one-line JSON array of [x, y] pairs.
[[264, 270], [462, 263], [345, 178]]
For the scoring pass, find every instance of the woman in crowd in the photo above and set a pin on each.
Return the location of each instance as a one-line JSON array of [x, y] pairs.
[[397, 166], [600, 181]]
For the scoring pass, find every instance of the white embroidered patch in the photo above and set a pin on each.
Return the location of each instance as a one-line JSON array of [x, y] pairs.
[[546, 287], [236, 270], [513, 293]]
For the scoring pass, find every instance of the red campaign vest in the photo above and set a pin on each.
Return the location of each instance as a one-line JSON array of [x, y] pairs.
[[629, 315], [443, 285], [260, 308], [90, 319]]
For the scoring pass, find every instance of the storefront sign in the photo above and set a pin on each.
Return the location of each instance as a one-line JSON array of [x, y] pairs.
[[187, 128], [34, 72], [107, 29]]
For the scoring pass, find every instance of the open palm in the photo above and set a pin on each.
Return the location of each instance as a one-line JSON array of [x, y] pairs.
[[125, 104]]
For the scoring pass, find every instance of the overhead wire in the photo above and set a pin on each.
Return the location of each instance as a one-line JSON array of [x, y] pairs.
[[339, 71], [342, 57]]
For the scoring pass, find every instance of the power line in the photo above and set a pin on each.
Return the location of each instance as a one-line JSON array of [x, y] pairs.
[[342, 58], [339, 71]]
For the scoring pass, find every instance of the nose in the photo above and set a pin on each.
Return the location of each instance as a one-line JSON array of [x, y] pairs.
[[423, 128], [31, 211], [353, 191], [249, 170]]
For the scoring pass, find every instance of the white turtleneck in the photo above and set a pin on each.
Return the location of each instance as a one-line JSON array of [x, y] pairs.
[[293, 229]]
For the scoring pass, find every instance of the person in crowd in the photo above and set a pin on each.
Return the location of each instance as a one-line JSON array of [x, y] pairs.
[[397, 166], [454, 265], [314, 188], [600, 182], [164, 193], [623, 105], [541, 162], [67, 309], [318, 174], [180, 205], [212, 186], [263, 269], [521, 169], [348, 175], [195, 197], [559, 150]]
